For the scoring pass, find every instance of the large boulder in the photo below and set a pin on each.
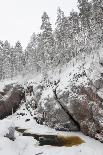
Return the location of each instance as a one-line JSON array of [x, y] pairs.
[[78, 99], [53, 115], [82, 102], [11, 101], [87, 110]]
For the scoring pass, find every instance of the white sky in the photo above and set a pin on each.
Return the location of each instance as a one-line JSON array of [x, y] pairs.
[[20, 18]]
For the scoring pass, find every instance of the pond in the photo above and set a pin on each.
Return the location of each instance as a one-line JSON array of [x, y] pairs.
[[53, 140]]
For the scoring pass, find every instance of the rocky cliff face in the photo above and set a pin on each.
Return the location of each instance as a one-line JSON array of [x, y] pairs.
[[78, 103]]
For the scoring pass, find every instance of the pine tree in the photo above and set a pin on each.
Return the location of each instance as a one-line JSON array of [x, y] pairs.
[[6, 60], [18, 53], [31, 54], [97, 22], [12, 62], [1, 60], [63, 35], [60, 32], [85, 8], [46, 42], [59, 36], [74, 21], [98, 12]]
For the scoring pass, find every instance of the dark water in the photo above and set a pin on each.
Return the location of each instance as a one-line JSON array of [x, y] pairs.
[[53, 140]]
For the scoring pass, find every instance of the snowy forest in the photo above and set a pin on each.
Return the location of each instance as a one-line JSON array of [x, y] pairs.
[[80, 32], [51, 92]]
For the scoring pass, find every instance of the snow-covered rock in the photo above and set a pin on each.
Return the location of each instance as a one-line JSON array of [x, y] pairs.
[[80, 91], [11, 100]]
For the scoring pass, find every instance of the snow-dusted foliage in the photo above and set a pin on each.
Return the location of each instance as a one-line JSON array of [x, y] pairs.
[[80, 32]]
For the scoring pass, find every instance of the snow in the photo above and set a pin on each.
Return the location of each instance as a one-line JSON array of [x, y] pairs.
[[24, 80], [100, 93], [72, 73], [48, 92], [28, 145], [4, 127]]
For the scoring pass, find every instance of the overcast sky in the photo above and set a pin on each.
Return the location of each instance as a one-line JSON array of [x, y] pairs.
[[20, 18]]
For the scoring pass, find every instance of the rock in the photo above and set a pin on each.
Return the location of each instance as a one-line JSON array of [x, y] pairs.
[[7, 129], [1, 96], [85, 109], [11, 101], [82, 99], [101, 61], [11, 132], [22, 114], [98, 83], [7, 88], [39, 120], [54, 116], [29, 90], [38, 92], [2, 93], [27, 120], [82, 103], [101, 74]]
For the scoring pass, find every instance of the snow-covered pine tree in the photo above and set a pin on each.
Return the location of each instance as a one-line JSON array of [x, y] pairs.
[[47, 38], [6, 60], [98, 12], [12, 62], [45, 49], [85, 14], [97, 16], [1, 60], [18, 54], [60, 36], [85, 9], [31, 54], [63, 36], [74, 31], [74, 21]]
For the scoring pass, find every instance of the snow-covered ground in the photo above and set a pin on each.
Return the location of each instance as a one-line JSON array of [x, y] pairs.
[[24, 145]]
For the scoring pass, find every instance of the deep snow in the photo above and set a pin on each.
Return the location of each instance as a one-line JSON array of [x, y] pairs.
[[27, 145]]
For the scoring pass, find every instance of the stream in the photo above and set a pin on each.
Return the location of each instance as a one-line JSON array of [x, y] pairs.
[[53, 140]]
